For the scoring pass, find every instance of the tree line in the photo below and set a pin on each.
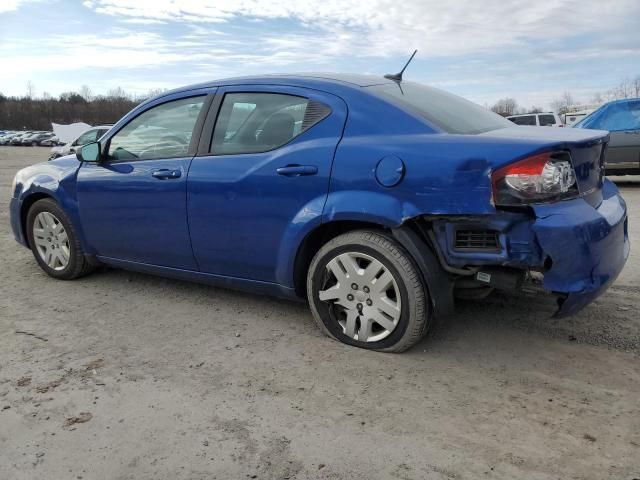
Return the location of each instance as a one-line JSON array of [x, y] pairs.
[[29, 112], [627, 88]]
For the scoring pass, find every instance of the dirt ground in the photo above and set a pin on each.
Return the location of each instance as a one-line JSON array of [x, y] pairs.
[[128, 376]]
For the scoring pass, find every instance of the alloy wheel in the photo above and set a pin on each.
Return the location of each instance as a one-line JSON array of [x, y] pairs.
[[363, 296], [51, 240]]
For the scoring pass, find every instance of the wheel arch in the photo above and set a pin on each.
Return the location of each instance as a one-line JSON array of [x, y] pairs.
[[27, 203], [315, 239], [436, 280]]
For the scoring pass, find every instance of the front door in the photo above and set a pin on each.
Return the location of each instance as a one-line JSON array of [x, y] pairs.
[[133, 204], [267, 169], [623, 150]]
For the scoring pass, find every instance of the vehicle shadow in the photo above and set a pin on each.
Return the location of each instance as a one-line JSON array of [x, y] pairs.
[[609, 322]]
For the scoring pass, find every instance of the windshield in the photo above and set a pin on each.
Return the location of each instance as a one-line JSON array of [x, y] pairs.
[[446, 111], [616, 116]]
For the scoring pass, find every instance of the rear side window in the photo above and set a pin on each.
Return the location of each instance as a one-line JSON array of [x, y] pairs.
[[163, 131], [546, 120], [446, 111], [524, 120], [259, 122]]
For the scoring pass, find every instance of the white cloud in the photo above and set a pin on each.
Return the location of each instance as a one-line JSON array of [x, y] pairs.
[[10, 5], [483, 50], [388, 27]]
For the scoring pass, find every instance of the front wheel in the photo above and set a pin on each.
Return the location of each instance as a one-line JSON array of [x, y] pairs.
[[54, 242], [365, 290]]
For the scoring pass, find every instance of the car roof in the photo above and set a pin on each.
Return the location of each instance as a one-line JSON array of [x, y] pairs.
[[620, 100], [527, 114], [297, 79]]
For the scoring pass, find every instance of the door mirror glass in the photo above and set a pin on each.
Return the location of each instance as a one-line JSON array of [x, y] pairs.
[[89, 152]]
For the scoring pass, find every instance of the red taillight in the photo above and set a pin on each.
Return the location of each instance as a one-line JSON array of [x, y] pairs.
[[543, 177]]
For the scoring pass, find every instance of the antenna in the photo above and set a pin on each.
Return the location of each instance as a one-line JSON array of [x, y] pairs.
[[397, 77]]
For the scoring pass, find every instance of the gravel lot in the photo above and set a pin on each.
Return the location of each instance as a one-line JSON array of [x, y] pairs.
[[128, 376]]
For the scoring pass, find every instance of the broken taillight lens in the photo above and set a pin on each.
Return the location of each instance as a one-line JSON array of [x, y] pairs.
[[542, 178]]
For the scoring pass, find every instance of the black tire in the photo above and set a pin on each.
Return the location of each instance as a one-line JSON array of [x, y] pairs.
[[77, 265], [415, 315]]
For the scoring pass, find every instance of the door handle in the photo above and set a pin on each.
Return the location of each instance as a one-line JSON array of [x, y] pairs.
[[297, 170], [166, 174]]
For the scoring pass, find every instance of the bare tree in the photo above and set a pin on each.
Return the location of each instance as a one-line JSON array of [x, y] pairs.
[[561, 105], [86, 93], [31, 89], [535, 109], [505, 106], [117, 92], [38, 113]]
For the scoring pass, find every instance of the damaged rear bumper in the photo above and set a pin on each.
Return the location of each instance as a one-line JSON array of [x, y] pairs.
[[588, 247], [580, 249]]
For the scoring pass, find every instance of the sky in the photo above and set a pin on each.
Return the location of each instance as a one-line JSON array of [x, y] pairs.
[[483, 50]]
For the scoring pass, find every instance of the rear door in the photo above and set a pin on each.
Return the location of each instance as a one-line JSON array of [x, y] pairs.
[[133, 204], [259, 174]]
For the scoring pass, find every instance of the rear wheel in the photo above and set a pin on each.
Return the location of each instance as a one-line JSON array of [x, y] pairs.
[[53, 241], [364, 290]]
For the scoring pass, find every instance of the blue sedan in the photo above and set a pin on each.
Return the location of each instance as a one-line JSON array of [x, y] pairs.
[[375, 199]]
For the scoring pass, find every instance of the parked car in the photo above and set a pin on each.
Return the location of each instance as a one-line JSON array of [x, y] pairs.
[[622, 119], [88, 136], [5, 138], [50, 142], [547, 119], [17, 139], [36, 138], [388, 199]]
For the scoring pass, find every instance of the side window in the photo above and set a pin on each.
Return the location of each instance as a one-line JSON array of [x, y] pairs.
[[259, 122], [547, 120], [524, 120], [163, 131]]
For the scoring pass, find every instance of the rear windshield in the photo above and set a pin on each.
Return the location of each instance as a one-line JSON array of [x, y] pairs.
[[446, 111]]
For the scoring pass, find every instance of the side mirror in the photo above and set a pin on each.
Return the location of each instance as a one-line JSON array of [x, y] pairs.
[[89, 152]]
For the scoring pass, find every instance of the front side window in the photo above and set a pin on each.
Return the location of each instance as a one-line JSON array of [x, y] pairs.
[[547, 120], [163, 131], [259, 122]]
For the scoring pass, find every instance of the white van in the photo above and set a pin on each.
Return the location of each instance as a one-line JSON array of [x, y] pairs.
[[547, 119], [574, 117]]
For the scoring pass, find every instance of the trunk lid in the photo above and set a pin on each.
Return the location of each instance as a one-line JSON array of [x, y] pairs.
[[585, 146]]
